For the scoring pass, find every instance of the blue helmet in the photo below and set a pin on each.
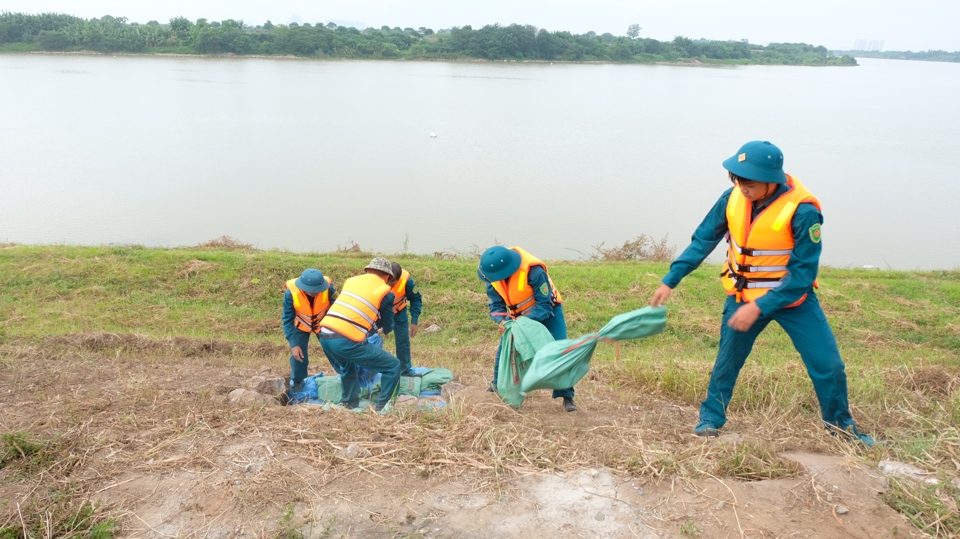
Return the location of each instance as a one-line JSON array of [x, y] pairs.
[[311, 281], [758, 161], [497, 263]]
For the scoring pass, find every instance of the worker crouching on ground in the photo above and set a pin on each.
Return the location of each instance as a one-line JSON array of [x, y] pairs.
[[364, 302], [305, 302], [773, 228], [518, 285], [405, 291]]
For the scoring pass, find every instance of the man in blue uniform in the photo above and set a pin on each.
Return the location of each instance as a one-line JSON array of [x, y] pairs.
[[405, 292], [305, 301], [772, 224], [518, 285], [364, 303]]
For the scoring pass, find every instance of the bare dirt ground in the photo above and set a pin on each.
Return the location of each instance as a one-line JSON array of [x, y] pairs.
[[144, 429]]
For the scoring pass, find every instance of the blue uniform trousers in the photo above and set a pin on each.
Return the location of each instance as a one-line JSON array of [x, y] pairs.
[[811, 335], [347, 356], [298, 369], [557, 326], [401, 333]]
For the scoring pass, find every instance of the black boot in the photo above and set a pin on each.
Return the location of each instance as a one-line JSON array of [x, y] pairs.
[[569, 405]]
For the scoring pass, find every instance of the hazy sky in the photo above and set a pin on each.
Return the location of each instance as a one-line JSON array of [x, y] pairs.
[[900, 24]]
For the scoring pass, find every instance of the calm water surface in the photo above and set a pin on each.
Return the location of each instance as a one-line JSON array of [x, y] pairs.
[[308, 155]]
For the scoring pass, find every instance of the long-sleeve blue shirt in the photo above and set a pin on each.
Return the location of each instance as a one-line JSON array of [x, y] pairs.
[[385, 322], [542, 310], [801, 269], [415, 301], [290, 314]]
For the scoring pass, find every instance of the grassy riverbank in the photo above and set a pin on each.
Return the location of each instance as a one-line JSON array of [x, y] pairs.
[[899, 333]]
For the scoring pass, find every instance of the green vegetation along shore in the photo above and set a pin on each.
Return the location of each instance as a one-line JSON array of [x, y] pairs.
[[21, 32], [899, 333], [927, 56]]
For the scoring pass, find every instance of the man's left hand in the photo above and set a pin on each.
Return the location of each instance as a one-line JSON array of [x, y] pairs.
[[746, 315], [413, 330]]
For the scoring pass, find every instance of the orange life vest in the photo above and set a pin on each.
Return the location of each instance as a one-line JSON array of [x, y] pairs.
[[357, 307], [516, 291], [307, 316], [400, 292], [760, 247]]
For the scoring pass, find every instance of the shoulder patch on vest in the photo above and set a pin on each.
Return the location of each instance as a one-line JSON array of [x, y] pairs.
[[544, 289], [815, 233]]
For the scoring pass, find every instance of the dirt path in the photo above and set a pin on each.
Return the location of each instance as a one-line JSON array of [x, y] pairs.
[[143, 429]]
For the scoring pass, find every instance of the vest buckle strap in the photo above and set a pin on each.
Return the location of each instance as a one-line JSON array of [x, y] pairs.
[[741, 281], [763, 269]]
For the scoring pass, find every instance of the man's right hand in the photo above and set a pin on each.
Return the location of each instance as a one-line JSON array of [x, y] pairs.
[[660, 296], [297, 353], [502, 329]]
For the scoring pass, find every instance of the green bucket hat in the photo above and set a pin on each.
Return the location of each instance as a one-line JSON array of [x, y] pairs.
[[758, 161], [497, 263], [311, 281]]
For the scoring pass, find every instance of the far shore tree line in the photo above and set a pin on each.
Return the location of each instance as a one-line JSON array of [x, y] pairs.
[[928, 56], [108, 34]]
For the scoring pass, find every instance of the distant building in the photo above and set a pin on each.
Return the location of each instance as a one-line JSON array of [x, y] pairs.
[[865, 45]]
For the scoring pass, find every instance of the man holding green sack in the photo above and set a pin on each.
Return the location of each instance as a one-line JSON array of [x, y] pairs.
[[772, 224], [518, 285]]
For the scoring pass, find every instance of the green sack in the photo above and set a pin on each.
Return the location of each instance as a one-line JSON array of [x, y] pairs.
[[329, 388], [561, 364], [521, 340], [434, 379], [409, 385]]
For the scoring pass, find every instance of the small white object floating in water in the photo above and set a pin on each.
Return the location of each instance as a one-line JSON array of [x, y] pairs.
[[433, 135]]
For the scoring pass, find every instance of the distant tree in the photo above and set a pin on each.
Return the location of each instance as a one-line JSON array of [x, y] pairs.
[[53, 40], [384, 28], [591, 33], [180, 26], [153, 23], [307, 25], [633, 31], [215, 24], [332, 25], [427, 32], [268, 25]]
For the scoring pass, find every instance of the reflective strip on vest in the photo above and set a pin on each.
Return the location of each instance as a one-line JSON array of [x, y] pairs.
[[755, 269], [758, 252], [770, 284], [357, 309]]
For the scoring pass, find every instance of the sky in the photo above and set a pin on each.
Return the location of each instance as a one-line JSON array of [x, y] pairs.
[[836, 24]]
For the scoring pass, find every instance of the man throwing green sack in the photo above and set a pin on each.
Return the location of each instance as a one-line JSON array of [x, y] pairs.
[[772, 224]]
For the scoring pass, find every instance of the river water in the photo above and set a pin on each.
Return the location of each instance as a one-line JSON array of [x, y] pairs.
[[309, 155]]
